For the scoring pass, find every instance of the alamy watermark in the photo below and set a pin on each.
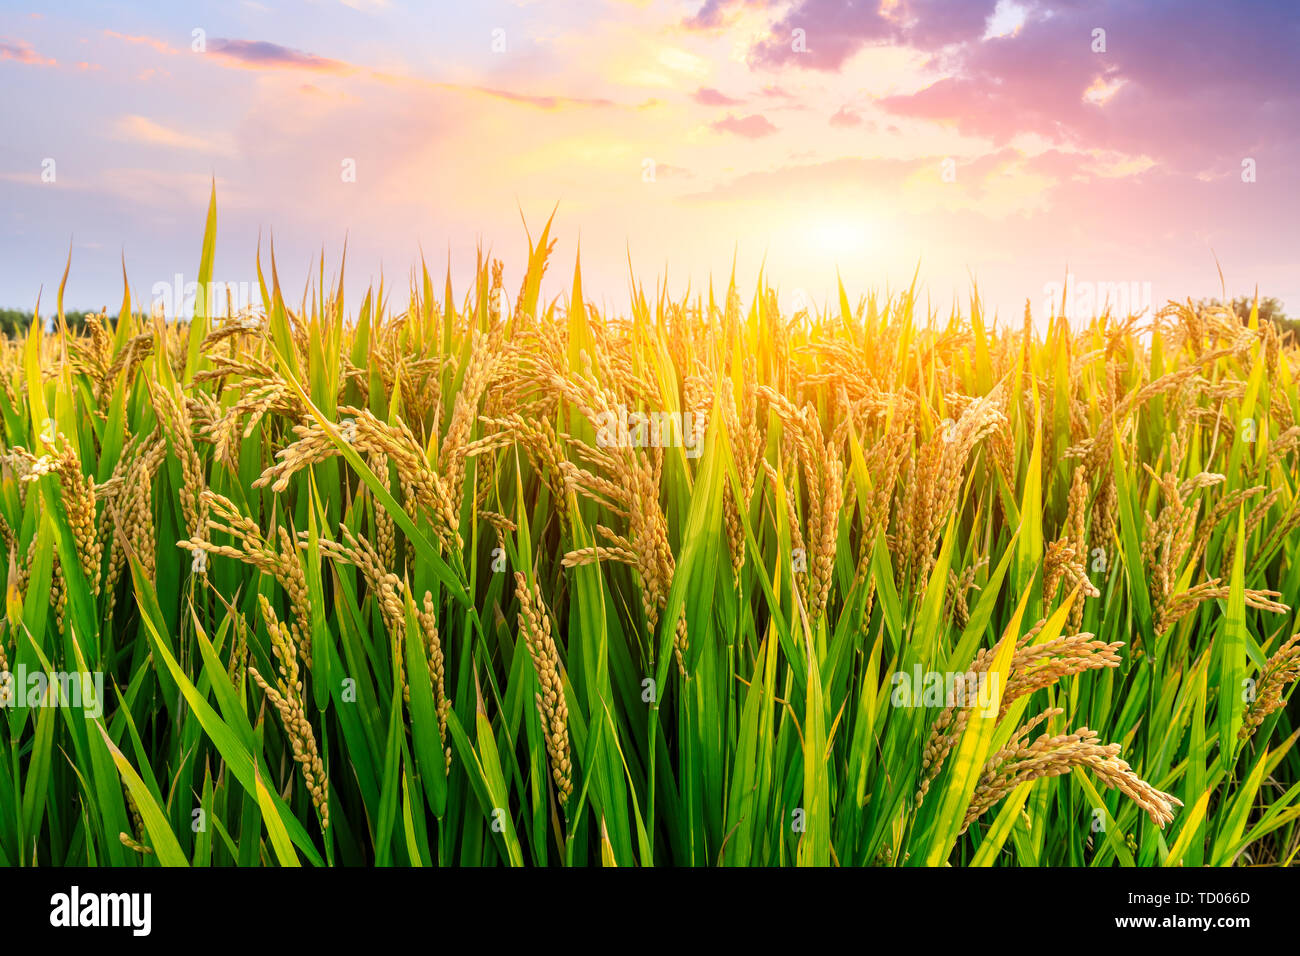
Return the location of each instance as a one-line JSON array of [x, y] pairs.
[[1073, 299], [962, 689], [619, 428], [177, 299], [83, 690], [75, 909]]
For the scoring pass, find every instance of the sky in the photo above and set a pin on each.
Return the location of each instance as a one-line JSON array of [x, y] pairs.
[[1139, 148]]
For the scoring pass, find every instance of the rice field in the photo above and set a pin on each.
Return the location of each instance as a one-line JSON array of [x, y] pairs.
[[463, 577]]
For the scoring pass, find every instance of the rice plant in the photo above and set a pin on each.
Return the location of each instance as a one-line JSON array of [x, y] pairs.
[[452, 577]]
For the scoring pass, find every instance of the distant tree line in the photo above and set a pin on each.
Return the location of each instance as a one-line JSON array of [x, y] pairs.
[[1270, 310], [15, 322]]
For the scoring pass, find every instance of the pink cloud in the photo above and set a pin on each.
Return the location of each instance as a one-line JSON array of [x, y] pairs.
[[707, 96], [754, 126], [144, 130], [846, 117], [21, 51], [162, 46], [540, 102]]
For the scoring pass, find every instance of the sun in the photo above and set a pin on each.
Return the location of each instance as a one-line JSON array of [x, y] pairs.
[[840, 238]]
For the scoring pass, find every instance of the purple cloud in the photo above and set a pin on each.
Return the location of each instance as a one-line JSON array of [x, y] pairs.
[[260, 54], [22, 51], [715, 14], [1243, 91], [823, 34]]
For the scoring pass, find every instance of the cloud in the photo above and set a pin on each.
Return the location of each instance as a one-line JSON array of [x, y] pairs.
[[831, 32], [1138, 96], [834, 30], [665, 171], [311, 89], [263, 55], [754, 126], [716, 14], [706, 96], [162, 46], [142, 129], [538, 102], [846, 117], [21, 51]]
